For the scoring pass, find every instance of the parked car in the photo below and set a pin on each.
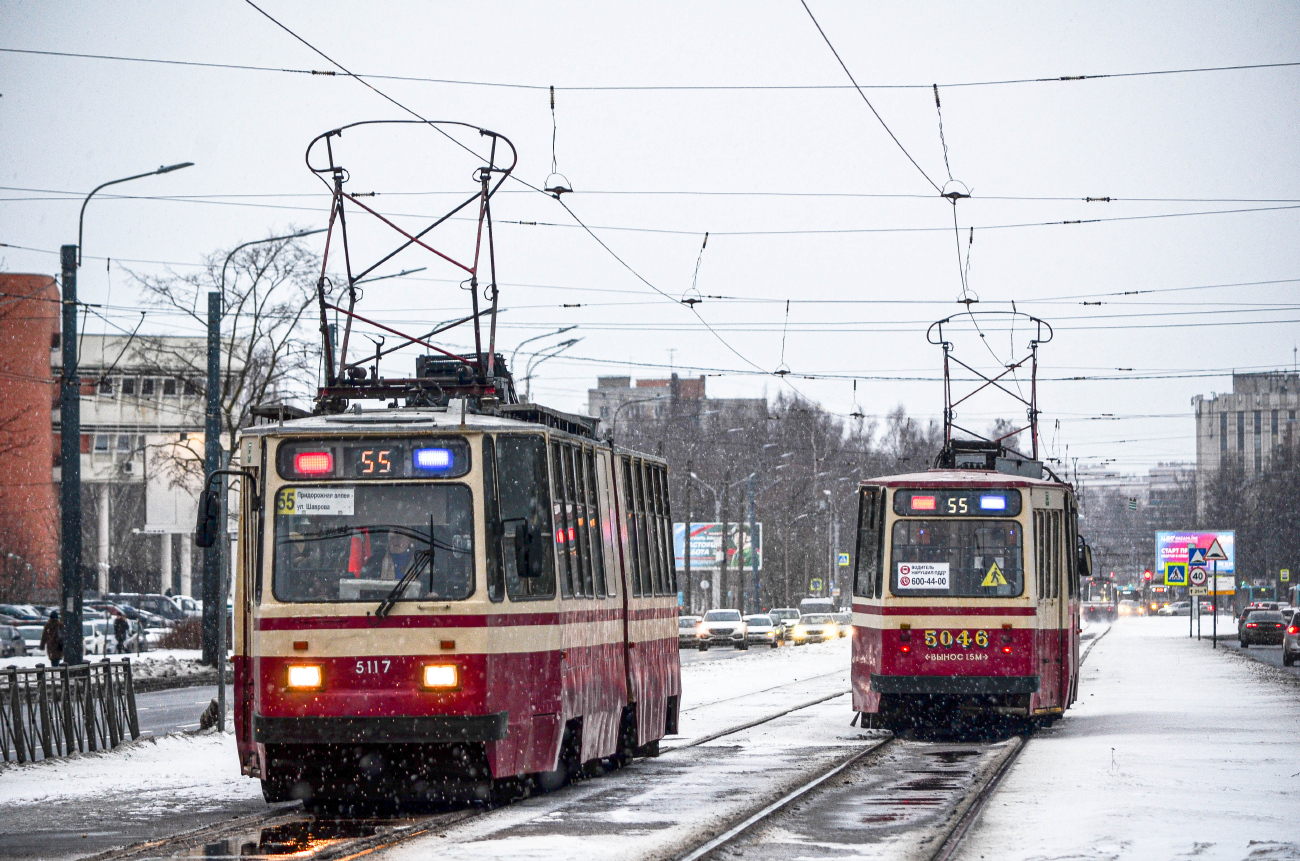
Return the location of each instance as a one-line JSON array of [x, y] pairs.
[[159, 605], [686, 634], [1261, 628], [26, 612], [762, 630], [12, 644], [31, 635], [1178, 608], [1291, 640], [815, 628], [94, 637], [844, 622], [191, 607], [723, 628], [787, 618]]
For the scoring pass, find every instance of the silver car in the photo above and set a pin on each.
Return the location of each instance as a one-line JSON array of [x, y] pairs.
[[762, 630], [12, 644], [686, 634]]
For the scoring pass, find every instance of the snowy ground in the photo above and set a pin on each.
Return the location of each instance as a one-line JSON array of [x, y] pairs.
[[1174, 751], [182, 781]]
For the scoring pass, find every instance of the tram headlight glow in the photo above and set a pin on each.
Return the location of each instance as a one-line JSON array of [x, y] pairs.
[[993, 503], [305, 677], [441, 677], [432, 459]]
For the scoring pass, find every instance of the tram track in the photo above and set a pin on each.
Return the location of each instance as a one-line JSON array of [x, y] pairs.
[[944, 839], [303, 834]]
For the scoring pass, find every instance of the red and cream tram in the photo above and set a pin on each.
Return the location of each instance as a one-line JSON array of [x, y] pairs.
[[427, 601], [966, 593]]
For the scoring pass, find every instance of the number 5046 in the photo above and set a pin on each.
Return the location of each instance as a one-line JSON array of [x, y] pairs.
[[965, 639]]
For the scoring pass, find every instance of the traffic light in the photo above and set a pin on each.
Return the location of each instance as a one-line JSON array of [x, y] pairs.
[[1146, 575]]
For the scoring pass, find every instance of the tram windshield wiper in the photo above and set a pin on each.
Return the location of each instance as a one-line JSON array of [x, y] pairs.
[[424, 559]]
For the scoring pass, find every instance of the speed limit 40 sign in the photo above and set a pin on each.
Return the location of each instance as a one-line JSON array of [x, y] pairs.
[[1197, 576]]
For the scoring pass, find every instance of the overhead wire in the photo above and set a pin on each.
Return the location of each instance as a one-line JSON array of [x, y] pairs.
[[327, 73]]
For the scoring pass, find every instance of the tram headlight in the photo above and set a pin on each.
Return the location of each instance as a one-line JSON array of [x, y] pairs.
[[441, 677], [306, 677]]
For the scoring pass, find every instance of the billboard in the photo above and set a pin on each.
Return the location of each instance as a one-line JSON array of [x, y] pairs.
[[706, 545], [1172, 548]]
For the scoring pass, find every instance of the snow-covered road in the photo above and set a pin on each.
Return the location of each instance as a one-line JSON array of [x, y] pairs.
[[1173, 751], [75, 807]]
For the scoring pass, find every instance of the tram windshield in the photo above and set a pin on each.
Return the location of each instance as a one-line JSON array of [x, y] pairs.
[[956, 559], [356, 543]]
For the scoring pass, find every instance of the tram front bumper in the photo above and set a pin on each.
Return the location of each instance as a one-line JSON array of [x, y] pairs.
[[955, 685], [380, 730]]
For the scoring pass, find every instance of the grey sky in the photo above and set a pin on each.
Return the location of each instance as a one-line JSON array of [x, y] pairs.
[[69, 124]]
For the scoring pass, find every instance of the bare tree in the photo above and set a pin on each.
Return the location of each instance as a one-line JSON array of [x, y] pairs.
[[267, 290]]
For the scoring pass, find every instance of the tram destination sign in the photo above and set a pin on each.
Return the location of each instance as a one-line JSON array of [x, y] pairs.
[[963, 502]]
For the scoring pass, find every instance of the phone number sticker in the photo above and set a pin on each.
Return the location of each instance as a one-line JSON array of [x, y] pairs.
[[922, 575]]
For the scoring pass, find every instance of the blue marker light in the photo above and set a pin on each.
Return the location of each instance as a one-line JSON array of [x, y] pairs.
[[434, 459], [993, 503]]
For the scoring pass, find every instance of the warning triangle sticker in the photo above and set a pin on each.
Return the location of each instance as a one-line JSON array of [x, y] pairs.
[[994, 577]]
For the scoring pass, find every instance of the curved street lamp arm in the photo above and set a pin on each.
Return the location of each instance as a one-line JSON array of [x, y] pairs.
[[82, 216]]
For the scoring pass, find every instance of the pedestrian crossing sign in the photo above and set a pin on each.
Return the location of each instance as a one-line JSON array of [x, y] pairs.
[[1175, 573], [994, 577], [843, 560]]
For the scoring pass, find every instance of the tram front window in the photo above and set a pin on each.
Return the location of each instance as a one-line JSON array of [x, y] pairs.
[[356, 543], [956, 559]]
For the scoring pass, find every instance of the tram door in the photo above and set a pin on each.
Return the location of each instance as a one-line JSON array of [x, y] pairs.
[[1049, 546]]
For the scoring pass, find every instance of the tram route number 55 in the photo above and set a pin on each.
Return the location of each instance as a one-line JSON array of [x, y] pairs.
[[964, 639]]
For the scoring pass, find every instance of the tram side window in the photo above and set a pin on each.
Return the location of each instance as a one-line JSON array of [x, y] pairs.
[[1071, 569], [560, 508], [1040, 556], [595, 541], [654, 523], [496, 583], [649, 560], [580, 545], [629, 518], [1055, 518], [666, 531], [870, 513], [523, 497]]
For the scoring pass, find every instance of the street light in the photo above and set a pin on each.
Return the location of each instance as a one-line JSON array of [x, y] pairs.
[[70, 437], [613, 420], [538, 358], [82, 217], [215, 581], [515, 354]]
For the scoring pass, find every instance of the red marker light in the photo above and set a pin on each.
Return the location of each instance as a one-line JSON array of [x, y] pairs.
[[313, 463], [904, 648], [1294, 629], [1251, 625], [572, 534], [923, 503], [1006, 650], [559, 536]]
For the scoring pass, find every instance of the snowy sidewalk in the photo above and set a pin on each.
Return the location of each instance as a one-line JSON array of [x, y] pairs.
[[1173, 751]]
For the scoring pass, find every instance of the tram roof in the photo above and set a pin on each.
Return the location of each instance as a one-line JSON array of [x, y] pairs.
[[420, 420], [973, 478]]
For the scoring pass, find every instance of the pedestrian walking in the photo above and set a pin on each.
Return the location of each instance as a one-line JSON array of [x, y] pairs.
[[120, 631], [52, 639]]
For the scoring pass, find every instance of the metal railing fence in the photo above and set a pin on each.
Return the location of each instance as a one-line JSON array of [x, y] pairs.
[[55, 711]]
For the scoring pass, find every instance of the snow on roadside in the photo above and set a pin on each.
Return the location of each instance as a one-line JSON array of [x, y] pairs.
[[147, 667], [706, 682], [1172, 751], [181, 771]]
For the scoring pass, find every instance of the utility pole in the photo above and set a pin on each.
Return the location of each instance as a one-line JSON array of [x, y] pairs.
[[70, 465], [689, 596], [211, 463], [753, 542]]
